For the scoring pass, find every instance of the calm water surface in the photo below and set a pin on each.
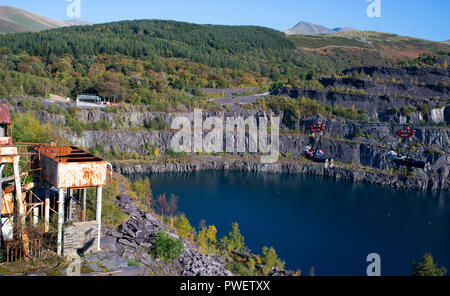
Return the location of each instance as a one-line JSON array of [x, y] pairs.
[[318, 222]]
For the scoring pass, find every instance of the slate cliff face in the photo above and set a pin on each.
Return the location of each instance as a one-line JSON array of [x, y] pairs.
[[368, 151], [381, 90], [378, 106]]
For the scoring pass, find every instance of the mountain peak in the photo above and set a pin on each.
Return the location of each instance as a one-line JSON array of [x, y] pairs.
[[313, 29], [15, 20]]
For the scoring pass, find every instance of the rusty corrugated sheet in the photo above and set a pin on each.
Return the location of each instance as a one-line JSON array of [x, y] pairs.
[[5, 116]]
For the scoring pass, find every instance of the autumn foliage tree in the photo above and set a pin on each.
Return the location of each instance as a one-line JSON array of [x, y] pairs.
[[427, 267], [207, 239], [233, 241], [184, 228]]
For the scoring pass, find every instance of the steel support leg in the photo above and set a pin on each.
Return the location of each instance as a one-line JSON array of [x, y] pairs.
[[21, 207], [60, 220], [99, 215]]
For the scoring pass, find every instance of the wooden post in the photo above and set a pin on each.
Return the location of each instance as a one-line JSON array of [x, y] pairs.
[[21, 207]]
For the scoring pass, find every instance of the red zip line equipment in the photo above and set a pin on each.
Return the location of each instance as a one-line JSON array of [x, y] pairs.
[[314, 153], [407, 134], [317, 128]]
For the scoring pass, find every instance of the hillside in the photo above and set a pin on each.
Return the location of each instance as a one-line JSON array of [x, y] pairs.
[[165, 63], [14, 20], [254, 49], [385, 45]]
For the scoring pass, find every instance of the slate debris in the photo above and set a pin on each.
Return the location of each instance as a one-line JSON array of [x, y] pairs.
[[132, 242]]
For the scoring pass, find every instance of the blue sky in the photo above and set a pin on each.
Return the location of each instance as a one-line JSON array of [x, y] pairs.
[[418, 18]]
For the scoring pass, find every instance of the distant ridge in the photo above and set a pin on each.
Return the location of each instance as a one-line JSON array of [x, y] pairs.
[[14, 20], [342, 30], [77, 23], [312, 29]]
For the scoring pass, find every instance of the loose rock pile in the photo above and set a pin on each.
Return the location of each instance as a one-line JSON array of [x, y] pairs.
[[134, 241]]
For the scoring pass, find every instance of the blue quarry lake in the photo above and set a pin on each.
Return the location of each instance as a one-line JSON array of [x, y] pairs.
[[318, 222]]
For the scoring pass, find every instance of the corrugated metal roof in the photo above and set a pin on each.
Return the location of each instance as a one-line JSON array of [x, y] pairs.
[[5, 116]]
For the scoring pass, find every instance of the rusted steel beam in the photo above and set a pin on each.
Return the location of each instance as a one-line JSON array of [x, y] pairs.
[[30, 144], [75, 159], [11, 178]]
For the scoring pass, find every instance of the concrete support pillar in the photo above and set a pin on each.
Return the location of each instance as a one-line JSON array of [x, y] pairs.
[[21, 207], [60, 220], [83, 205], [99, 215], [47, 209]]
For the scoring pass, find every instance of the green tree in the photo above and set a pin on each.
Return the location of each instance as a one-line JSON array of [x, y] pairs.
[[233, 241], [183, 227], [207, 240], [427, 267], [202, 240], [144, 195], [27, 129], [3, 91], [270, 259]]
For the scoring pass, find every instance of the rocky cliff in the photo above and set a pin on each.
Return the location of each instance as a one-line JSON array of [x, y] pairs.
[[348, 142], [381, 90]]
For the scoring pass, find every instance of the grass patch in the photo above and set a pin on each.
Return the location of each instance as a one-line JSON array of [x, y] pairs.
[[166, 247]]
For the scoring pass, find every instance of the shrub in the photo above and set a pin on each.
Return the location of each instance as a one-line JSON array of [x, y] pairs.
[[166, 247], [135, 263], [423, 108], [270, 259], [172, 153], [408, 110], [157, 124]]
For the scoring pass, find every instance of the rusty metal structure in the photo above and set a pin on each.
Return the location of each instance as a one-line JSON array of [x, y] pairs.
[[69, 171]]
